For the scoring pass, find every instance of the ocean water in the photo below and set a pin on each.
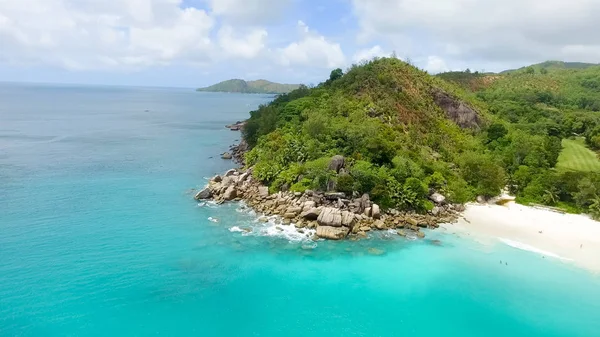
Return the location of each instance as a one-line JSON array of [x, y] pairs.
[[100, 236]]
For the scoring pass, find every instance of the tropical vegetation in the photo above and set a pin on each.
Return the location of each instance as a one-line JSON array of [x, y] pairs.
[[406, 134]]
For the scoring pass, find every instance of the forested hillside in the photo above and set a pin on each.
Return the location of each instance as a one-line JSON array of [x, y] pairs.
[[550, 103], [406, 134], [402, 132]]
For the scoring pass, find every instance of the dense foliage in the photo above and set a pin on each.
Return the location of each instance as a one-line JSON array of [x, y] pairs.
[[401, 145], [541, 106], [250, 87], [382, 117]]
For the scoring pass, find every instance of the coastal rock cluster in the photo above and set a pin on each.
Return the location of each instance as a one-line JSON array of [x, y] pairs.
[[332, 215]]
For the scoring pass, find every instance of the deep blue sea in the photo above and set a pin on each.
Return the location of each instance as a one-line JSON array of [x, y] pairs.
[[100, 236]]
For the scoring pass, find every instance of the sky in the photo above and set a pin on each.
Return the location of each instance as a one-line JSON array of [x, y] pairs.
[[193, 43]]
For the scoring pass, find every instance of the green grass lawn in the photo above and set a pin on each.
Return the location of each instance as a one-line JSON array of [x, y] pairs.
[[575, 156]]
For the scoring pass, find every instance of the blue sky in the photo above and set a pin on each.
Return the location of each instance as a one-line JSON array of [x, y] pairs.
[[190, 43]]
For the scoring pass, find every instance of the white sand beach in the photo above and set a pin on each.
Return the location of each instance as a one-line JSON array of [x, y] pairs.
[[568, 237]]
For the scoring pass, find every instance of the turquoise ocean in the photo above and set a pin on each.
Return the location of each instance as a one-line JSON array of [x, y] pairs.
[[100, 236]]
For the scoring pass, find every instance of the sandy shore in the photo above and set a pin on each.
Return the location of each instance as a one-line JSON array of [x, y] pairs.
[[568, 237]]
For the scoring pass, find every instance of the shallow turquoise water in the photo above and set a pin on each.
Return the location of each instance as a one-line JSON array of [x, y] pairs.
[[99, 236]]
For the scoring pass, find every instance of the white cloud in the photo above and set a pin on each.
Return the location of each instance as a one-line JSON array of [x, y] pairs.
[[249, 11], [435, 65], [247, 47], [312, 50], [102, 34], [493, 31], [369, 53]]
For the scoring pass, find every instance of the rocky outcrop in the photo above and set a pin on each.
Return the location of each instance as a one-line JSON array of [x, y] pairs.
[[375, 211], [205, 193], [330, 216], [332, 233], [337, 163], [437, 198], [456, 110], [333, 214], [230, 193], [226, 155], [238, 151], [311, 214], [237, 126]]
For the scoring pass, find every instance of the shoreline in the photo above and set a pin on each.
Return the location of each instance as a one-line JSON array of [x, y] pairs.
[[332, 215], [570, 238]]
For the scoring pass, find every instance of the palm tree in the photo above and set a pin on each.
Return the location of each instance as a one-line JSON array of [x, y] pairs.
[[594, 208], [550, 196]]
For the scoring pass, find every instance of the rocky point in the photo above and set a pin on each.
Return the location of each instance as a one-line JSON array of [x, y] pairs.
[[332, 215]]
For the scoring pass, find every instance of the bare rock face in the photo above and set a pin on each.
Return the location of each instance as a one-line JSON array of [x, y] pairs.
[[348, 219], [263, 191], [206, 193], [330, 217], [375, 212], [332, 233], [334, 195], [456, 110], [230, 193], [311, 214], [230, 180], [337, 163], [380, 225], [230, 173], [363, 202], [294, 210], [437, 198], [309, 204]]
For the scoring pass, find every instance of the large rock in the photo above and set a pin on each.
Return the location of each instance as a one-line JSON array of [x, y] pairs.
[[263, 191], [459, 207], [436, 211], [206, 193], [348, 219], [334, 195], [311, 214], [379, 225], [330, 217], [332, 233], [217, 179], [457, 110], [230, 193], [310, 204], [375, 212], [295, 210], [230, 180], [437, 198], [230, 173], [226, 155], [363, 202], [337, 163]]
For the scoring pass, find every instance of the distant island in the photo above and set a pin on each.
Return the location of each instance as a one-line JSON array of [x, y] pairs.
[[552, 65], [250, 87]]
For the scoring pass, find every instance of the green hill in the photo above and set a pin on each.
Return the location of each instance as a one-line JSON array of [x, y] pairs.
[[250, 87], [552, 65], [401, 131], [543, 106], [404, 134]]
